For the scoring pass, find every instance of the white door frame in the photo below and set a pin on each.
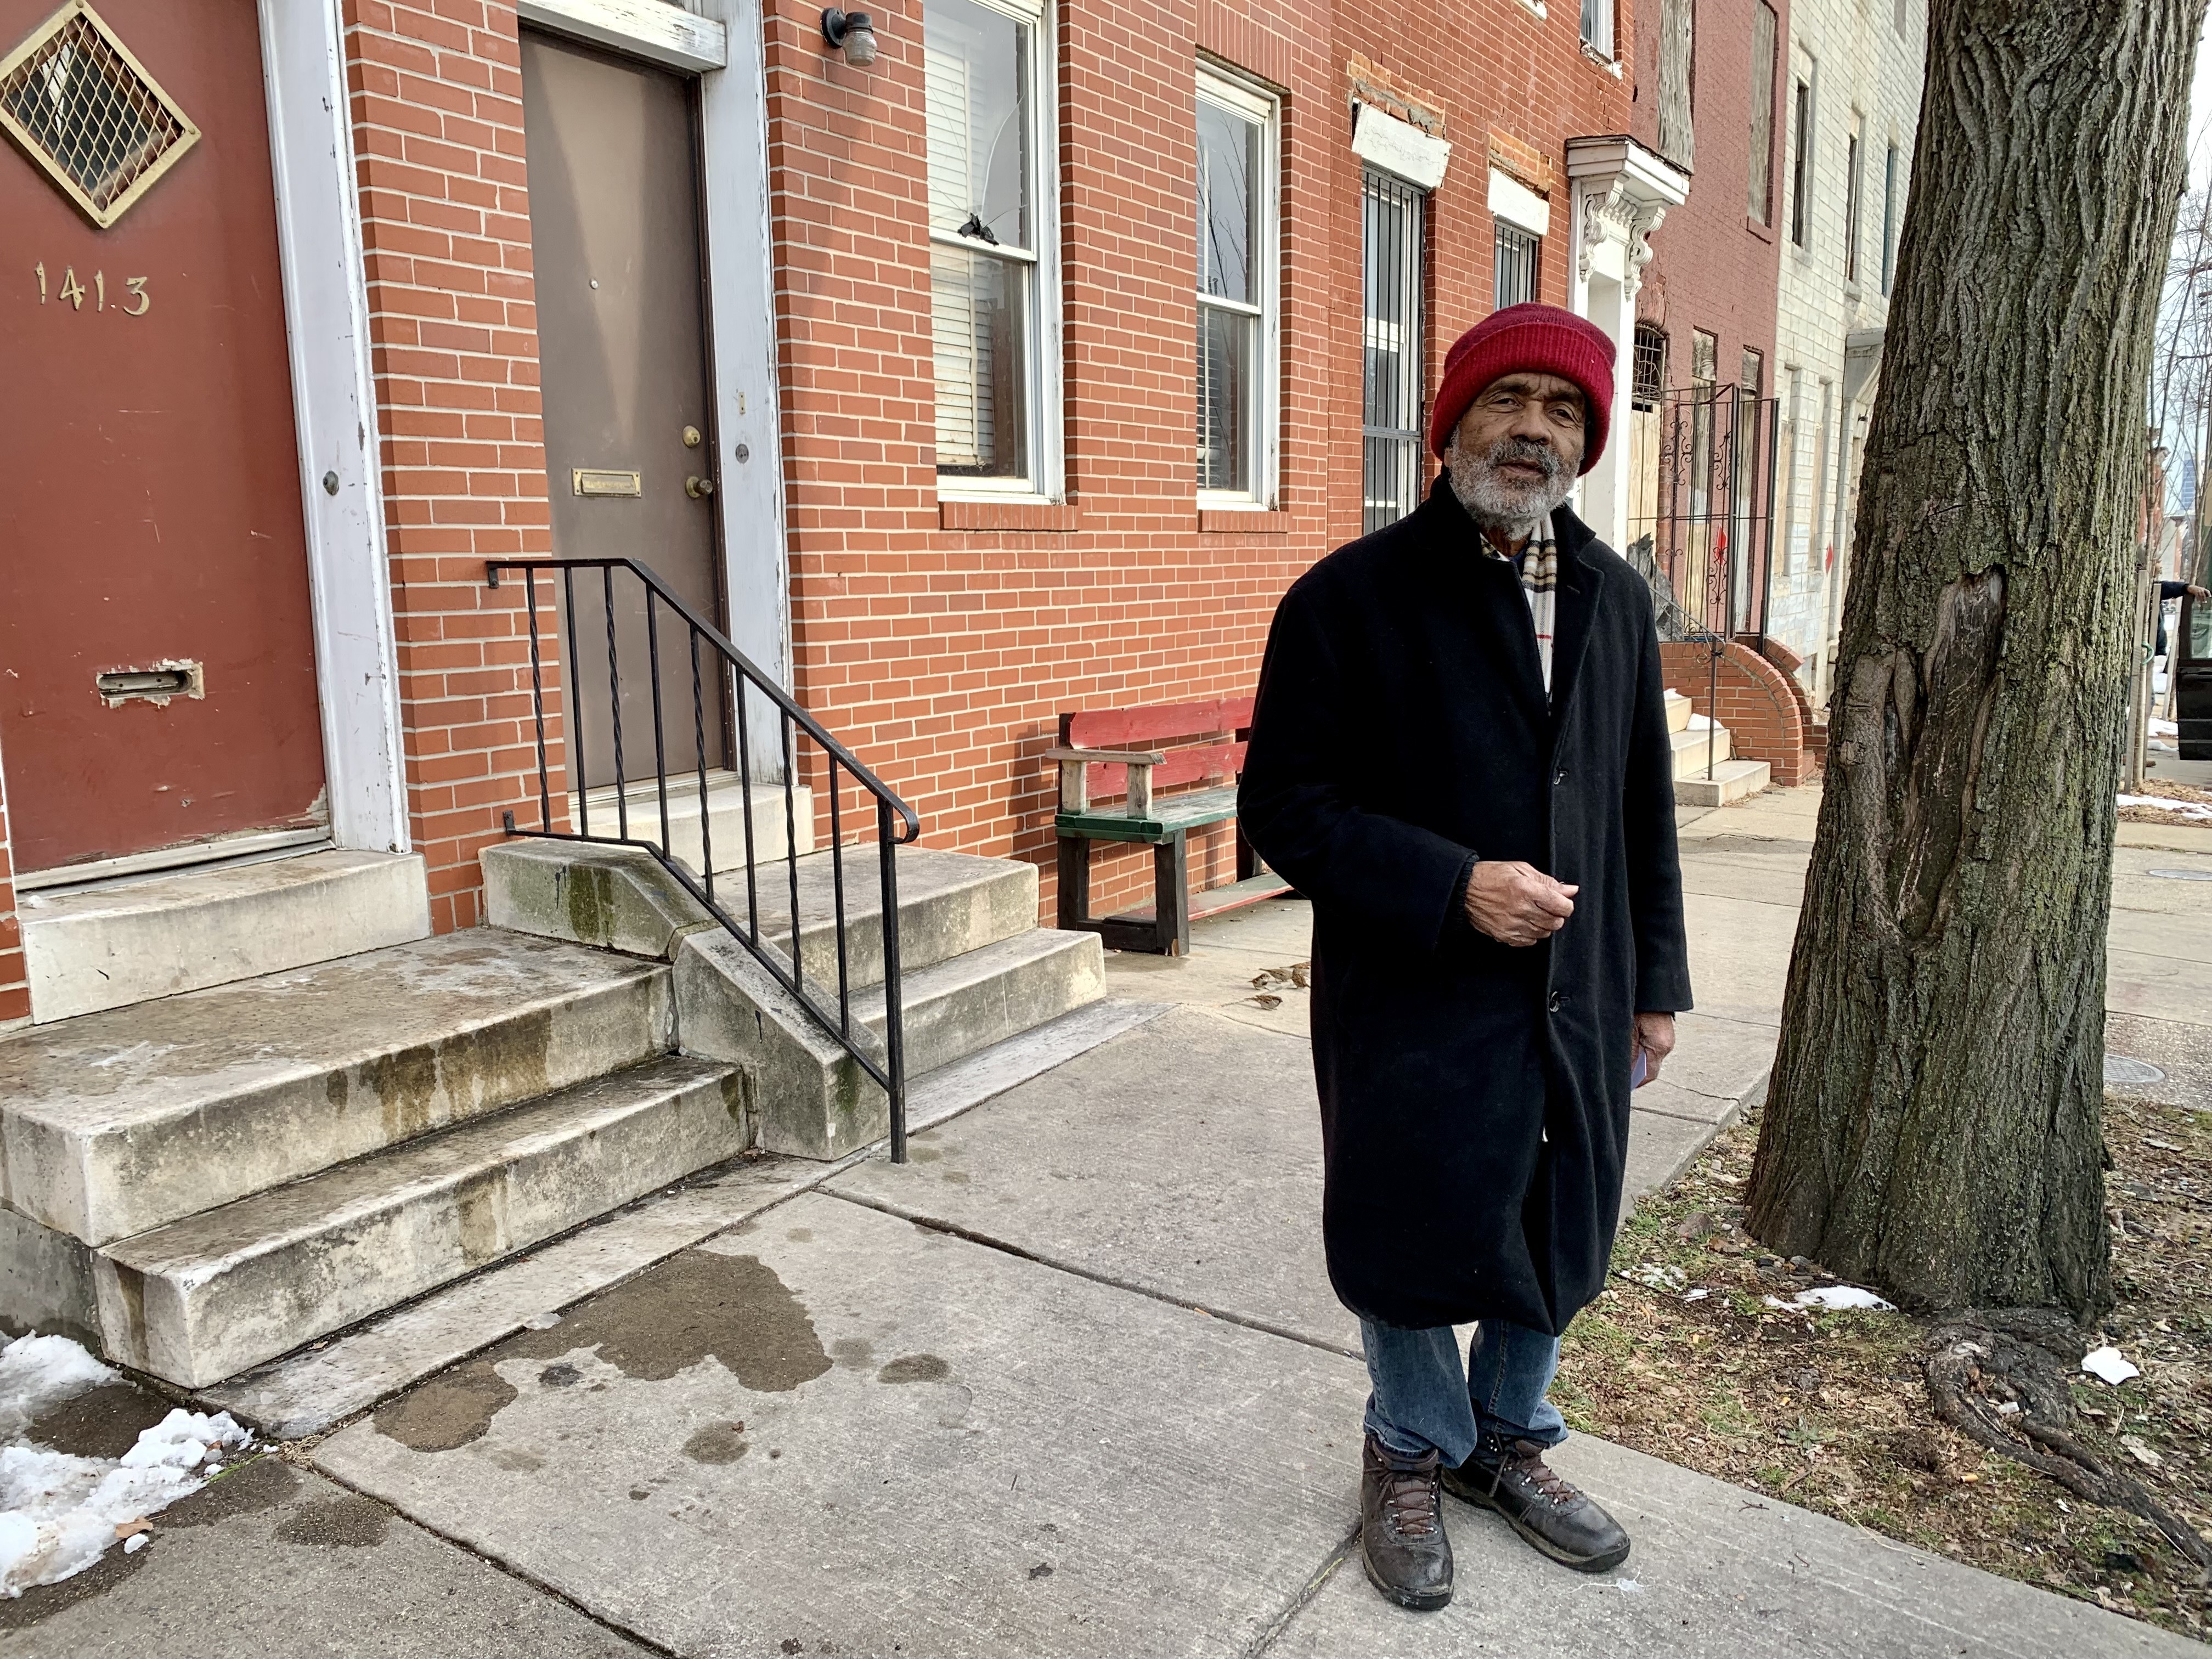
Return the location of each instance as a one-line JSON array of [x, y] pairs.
[[334, 411], [720, 42]]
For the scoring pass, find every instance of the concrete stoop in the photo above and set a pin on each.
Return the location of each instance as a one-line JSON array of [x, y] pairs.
[[976, 968], [206, 1182], [1707, 770]]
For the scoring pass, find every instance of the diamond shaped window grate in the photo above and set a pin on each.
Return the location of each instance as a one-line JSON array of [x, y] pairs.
[[86, 111]]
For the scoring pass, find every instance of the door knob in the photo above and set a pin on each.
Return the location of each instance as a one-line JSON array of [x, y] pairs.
[[698, 488]]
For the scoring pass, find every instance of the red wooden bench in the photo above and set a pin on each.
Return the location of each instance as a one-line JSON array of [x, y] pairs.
[[1142, 755]]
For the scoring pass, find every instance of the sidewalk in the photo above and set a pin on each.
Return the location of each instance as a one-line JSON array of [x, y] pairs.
[[1071, 1381]]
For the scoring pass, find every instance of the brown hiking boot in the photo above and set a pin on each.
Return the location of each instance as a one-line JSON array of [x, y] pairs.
[[1401, 1529], [1542, 1505]]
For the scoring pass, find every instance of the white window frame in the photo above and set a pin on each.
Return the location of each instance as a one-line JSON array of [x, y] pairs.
[[1047, 481], [1603, 13], [1264, 424]]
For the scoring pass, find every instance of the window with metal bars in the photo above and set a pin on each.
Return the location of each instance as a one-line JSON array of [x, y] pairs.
[[1648, 368], [1394, 213], [1518, 253]]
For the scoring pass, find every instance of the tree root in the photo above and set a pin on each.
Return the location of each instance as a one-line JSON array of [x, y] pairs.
[[1981, 1360]]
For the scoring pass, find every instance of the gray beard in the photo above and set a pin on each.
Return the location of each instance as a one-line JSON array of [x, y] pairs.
[[1514, 509]]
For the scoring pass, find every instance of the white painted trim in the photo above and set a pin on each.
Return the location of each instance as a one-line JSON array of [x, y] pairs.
[[1255, 104], [334, 410], [741, 326], [1383, 141], [652, 29], [1515, 202]]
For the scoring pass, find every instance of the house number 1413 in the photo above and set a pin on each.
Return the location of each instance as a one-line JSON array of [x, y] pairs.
[[137, 303]]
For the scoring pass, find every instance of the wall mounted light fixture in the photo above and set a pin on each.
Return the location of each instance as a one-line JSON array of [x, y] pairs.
[[852, 33]]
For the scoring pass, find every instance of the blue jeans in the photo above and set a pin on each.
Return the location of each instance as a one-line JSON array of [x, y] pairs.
[[1422, 1399]]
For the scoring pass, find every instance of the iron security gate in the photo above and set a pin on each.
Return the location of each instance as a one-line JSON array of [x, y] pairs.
[[1701, 510], [1392, 212]]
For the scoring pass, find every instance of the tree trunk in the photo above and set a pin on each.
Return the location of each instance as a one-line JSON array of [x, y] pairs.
[[1934, 1120]]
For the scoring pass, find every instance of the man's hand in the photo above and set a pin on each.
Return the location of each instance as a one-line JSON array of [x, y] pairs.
[[2196, 592], [1517, 903], [1655, 1041]]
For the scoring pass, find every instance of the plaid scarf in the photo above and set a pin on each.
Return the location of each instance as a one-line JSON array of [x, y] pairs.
[[1539, 564]]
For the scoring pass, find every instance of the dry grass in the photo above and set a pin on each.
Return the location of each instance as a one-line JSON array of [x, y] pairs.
[[2187, 794], [1829, 1410]]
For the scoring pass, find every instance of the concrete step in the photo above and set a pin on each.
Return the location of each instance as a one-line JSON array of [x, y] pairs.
[[1731, 780], [810, 1097], [621, 898], [1693, 743], [116, 1123], [203, 1298], [130, 940], [727, 810], [1678, 710]]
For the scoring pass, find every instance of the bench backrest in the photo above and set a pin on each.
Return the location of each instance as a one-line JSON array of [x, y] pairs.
[[1200, 739]]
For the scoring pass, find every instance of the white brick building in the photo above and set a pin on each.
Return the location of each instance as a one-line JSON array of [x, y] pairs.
[[1851, 101]]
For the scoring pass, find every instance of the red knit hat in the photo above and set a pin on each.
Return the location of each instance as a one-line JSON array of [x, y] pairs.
[[1528, 339]]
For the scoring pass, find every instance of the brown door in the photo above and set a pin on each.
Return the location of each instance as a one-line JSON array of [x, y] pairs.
[[630, 444], [151, 529]]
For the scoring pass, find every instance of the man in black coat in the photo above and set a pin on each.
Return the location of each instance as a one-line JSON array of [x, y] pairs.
[[1461, 755]]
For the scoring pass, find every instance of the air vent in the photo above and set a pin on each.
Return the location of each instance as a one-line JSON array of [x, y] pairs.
[[88, 113]]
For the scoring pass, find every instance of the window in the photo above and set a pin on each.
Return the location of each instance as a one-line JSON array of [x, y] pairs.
[[1762, 115], [993, 288], [1751, 373], [1597, 27], [1648, 371], [1889, 206], [1393, 212], [1800, 164], [1236, 273], [1518, 251], [1851, 195]]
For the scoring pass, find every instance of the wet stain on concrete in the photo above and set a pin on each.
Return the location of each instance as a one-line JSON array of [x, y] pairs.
[[853, 1352], [480, 1207], [104, 1423], [559, 1376], [514, 1460], [914, 1368], [245, 1488], [348, 1522], [670, 1317], [800, 1235], [449, 1411], [718, 1443], [588, 893], [419, 1088]]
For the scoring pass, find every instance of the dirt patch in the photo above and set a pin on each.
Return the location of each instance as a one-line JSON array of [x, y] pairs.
[[2186, 793], [449, 1411], [914, 1368], [349, 1522], [243, 1489], [104, 1422], [670, 1317], [1829, 1410], [718, 1443]]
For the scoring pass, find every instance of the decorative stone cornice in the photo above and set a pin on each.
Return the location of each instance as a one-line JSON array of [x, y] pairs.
[[1623, 192]]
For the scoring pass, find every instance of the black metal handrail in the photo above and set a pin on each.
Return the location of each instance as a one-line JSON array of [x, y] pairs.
[[896, 824]]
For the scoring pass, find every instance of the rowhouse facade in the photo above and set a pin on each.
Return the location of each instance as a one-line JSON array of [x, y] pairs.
[[1001, 361]]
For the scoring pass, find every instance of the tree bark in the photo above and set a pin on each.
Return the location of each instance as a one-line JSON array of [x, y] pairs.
[[1934, 1120]]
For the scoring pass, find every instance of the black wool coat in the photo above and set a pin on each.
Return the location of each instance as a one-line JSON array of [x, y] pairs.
[[1474, 1097]]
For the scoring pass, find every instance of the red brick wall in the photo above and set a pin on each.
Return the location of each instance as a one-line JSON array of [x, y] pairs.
[[1756, 703], [1711, 267], [437, 113], [945, 655], [14, 985]]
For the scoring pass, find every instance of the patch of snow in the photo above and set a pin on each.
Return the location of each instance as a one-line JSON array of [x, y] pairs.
[[2107, 1364], [133, 1544], [1629, 1587], [542, 1322], [2187, 809], [1697, 1295], [59, 1513], [37, 1373], [2165, 728], [1833, 1296]]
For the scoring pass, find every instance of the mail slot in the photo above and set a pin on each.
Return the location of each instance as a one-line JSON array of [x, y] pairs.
[[605, 481], [156, 683]]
